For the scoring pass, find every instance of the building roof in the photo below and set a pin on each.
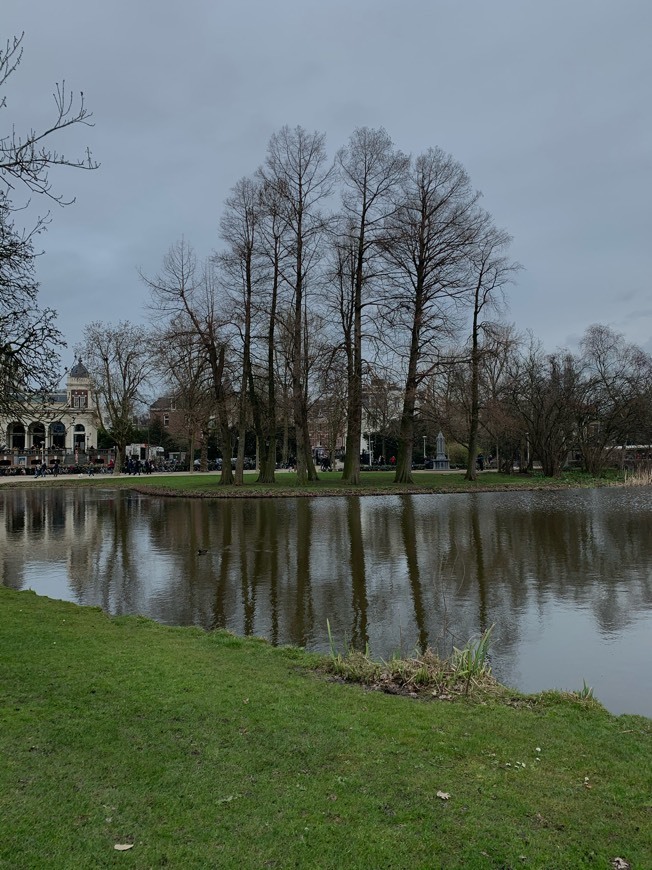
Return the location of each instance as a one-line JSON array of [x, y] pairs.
[[164, 403], [79, 370]]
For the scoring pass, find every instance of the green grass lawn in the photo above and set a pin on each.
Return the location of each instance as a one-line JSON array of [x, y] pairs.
[[372, 482], [204, 750], [329, 483]]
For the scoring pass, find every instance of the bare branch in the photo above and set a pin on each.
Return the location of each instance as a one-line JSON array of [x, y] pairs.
[[26, 158]]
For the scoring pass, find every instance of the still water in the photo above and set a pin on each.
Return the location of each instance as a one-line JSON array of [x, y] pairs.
[[565, 577]]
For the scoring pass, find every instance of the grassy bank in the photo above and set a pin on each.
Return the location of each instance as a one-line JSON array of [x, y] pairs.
[[371, 483], [329, 484], [204, 750]]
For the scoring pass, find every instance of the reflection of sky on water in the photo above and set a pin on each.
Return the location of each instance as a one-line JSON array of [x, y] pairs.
[[47, 578], [564, 642], [564, 576]]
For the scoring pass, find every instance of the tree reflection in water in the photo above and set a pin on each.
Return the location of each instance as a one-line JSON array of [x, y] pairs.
[[393, 573], [359, 630]]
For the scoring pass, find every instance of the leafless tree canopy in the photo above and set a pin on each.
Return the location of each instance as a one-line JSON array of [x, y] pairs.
[[189, 296], [26, 157], [29, 338], [120, 362], [372, 172], [362, 297]]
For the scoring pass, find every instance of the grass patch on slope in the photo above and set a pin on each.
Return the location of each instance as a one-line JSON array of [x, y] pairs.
[[330, 483], [206, 750], [371, 483]]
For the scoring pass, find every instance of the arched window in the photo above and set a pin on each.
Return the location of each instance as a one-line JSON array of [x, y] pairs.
[[16, 436], [58, 435], [37, 432]]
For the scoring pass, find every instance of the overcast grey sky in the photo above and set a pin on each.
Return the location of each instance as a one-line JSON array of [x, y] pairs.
[[547, 104]]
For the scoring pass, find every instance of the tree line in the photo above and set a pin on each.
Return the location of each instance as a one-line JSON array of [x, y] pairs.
[[366, 291]]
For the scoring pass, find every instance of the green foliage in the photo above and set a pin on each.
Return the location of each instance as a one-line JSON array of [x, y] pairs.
[[583, 478], [458, 455], [585, 693], [104, 440], [470, 662]]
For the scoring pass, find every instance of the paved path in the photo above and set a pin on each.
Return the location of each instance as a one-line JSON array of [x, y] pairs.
[[107, 478]]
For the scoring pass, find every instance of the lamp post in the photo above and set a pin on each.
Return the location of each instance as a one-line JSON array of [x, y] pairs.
[[424, 449], [74, 443]]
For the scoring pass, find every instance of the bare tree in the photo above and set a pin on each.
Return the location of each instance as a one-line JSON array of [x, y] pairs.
[[427, 242], [446, 400], [326, 375], [272, 260], [26, 158], [179, 290], [296, 169], [490, 270], [615, 404], [29, 339], [502, 346], [371, 170], [239, 229], [545, 392], [180, 358], [119, 362], [283, 375]]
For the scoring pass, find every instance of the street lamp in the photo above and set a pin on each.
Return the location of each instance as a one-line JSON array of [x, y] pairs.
[[424, 449]]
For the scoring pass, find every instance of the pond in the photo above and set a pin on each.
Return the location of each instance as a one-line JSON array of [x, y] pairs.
[[565, 577]]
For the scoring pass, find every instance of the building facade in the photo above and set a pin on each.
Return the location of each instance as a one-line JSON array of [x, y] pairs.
[[58, 427]]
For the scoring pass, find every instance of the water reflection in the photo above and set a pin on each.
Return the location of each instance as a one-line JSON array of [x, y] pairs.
[[565, 577], [359, 604]]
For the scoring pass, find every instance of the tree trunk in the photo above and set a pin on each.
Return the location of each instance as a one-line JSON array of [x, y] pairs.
[[217, 367], [119, 455], [267, 472], [203, 458], [285, 449], [191, 451], [351, 473], [406, 435], [471, 470], [305, 466], [267, 434]]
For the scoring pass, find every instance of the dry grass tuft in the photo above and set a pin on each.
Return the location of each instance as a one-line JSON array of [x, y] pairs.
[[466, 672], [639, 477]]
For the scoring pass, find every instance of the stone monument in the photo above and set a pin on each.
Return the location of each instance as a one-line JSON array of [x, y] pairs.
[[441, 459]]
